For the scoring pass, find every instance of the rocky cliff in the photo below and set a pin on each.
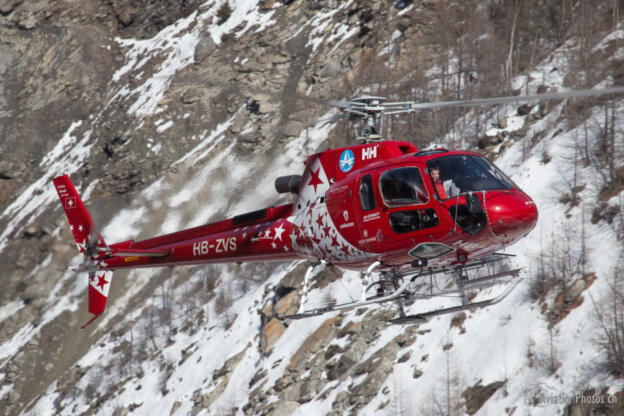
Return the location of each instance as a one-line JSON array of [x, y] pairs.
[[169, 114]]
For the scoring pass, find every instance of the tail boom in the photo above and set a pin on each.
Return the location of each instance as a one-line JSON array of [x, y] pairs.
[[263, 235]]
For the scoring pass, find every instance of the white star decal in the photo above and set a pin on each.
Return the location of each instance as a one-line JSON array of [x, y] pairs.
[[71, 227], [81, 246], [267, 234], [273, 245], [278, 232], [80, 228]]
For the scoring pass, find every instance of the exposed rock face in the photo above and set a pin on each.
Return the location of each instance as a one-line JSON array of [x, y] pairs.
[[569, 298], [475, 396], [221, 379], [271, 332], [78, 76], [57, 60]]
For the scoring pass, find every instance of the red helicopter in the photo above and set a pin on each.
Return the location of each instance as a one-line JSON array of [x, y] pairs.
[[401, 216]]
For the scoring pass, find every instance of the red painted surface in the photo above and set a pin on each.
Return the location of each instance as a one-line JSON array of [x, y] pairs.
[[97, 301], [327, 221]]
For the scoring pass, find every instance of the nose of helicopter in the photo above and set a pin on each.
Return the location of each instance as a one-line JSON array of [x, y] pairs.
[[511, 214]]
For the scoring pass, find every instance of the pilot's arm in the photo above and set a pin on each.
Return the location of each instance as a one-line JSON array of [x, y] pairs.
[[451, 189]]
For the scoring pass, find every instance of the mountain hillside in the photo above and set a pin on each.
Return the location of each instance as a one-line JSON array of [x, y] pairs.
[[171, 114]]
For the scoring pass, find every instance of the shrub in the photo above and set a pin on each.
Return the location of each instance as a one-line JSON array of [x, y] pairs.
[[224, 12]]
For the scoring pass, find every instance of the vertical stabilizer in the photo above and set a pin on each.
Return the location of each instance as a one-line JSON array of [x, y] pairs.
[[89, 242]]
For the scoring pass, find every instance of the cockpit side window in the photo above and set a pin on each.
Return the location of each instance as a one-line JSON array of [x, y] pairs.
[[367, 194], [403, 186]]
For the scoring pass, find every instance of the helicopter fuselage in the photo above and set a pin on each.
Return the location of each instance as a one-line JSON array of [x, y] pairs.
[[356, 205]]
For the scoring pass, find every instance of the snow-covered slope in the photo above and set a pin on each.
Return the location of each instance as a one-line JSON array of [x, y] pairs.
[[204, 340]]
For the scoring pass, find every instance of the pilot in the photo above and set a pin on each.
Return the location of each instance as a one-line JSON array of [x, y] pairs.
[[446, 189], [437, 182]]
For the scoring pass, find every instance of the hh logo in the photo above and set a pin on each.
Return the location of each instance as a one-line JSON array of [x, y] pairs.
[[369, 153]]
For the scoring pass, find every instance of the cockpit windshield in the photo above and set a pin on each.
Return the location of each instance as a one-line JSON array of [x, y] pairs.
[[457, 174]]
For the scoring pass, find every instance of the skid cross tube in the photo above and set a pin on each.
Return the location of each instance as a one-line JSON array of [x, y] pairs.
[[393, 296], [423, 317], [402, 292]]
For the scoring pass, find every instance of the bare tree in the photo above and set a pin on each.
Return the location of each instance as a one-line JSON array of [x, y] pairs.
[[399, 403], [509, 62], [560, 260], [610, 317]]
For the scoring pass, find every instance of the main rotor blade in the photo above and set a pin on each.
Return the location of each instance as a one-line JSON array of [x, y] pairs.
[[331, 119], [344, 104], [309, 124], [511, 99]]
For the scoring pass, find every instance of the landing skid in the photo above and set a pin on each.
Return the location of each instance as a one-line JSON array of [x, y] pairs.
[[349, 305], [423, 317], [403, 290]]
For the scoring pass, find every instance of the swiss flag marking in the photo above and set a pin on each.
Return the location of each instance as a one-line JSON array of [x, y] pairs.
[[69, 202]]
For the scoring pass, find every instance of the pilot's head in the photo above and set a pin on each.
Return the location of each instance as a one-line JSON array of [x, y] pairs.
[[435, 172]]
